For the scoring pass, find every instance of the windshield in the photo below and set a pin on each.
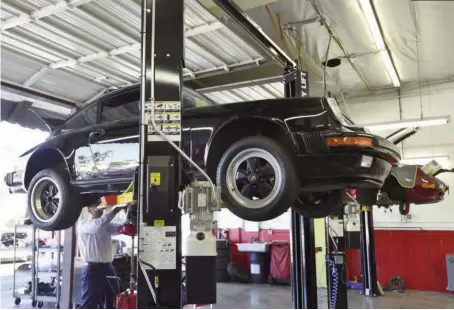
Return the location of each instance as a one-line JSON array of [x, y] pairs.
[[431, 168]]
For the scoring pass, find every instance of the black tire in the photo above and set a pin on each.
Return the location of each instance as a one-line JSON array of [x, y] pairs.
[[237, 273], [17, 301], [329, 203], [68, 210], [40, 304], [284, 197], [222, 262], [57, 306], [34, 303]]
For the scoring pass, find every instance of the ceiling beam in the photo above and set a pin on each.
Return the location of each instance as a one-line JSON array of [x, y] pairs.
[[9, 88], [35, 77], [48, 10]]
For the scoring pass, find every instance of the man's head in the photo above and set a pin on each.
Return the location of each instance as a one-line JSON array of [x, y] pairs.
[[95, 212]]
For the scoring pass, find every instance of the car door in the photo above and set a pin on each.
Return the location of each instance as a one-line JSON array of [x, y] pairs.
[[115, 141]]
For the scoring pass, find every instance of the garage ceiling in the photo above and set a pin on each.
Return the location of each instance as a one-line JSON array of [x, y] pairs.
[[75, 49], [416, 33]]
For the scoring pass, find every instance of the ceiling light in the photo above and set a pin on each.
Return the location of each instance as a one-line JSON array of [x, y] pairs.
[[424, 160], [425, 122], [379, 41]]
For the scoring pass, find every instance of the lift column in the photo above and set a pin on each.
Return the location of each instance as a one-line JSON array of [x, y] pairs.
[[303, 273], [159, 247], [367, 198], [336, 274]]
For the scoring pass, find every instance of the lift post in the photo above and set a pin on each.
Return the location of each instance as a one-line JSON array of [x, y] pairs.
[[368, 265], [159, 271], [303, 275], [367, 198], [336, 273]]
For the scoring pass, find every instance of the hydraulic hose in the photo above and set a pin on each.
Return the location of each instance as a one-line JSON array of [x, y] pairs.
[[334, 286]]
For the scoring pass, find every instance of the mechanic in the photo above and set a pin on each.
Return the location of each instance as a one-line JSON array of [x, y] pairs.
[[95, 243]]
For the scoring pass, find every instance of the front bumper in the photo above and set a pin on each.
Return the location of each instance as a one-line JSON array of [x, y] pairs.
[[324, 167], [14, 181]]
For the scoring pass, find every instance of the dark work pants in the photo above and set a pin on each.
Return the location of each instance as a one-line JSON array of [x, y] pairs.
[[98, 291]]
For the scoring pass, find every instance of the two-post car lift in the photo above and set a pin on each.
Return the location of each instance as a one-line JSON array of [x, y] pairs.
[[171, 272]]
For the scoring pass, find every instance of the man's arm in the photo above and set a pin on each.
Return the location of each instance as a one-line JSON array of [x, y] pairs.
[[93, 226], [113, 228]]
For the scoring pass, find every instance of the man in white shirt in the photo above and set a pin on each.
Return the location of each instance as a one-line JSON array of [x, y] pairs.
[[95, 244]]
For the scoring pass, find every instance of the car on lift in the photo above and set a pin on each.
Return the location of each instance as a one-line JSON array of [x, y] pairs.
[[413, 184], [266, 156], [409, 184]]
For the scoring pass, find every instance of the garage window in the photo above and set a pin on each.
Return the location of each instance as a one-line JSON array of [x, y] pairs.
[[86, 118], [121, 106]]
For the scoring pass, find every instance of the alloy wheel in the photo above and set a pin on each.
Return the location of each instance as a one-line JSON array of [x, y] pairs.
[[254, 178], [45, 199]]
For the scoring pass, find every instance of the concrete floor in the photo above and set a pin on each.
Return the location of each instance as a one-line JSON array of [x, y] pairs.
[[241, 296]]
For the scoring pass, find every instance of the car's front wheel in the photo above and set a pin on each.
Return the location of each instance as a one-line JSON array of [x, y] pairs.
[[258, 179], [319, 204], [51, 201]]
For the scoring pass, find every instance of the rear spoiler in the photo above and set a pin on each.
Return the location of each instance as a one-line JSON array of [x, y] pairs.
[[402, 134]]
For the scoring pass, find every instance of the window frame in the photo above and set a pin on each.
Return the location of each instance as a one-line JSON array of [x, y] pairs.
[[116, 94], [79, 113]]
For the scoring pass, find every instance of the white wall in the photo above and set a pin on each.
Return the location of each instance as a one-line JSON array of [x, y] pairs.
[[437, 100], [15, 140]]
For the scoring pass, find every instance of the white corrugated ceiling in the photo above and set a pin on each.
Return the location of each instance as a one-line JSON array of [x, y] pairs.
[[76, 48], [412, 30], [88, 45]]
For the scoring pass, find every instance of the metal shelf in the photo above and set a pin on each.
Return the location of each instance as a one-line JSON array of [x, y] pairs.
[[48, 273], [48, 250], [46, 298]]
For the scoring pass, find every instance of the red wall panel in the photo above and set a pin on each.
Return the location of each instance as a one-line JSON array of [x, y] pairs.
[[418, 256]]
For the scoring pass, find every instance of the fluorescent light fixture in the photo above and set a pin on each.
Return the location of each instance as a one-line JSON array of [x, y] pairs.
[[425, 122], [424, 160], [379, 41]]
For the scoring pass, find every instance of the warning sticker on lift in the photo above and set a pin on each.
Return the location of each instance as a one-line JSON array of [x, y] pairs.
[[155, 178], [158, 246], [158, 222]]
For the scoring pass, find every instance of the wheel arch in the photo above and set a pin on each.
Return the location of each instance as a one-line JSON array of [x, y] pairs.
[[239, 128], [43, 159]]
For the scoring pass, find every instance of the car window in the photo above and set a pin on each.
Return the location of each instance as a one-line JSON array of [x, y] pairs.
[[85, 118], [121, 106], [192, 99]]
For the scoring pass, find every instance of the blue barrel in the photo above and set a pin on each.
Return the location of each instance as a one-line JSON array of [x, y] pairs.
[[260, 267]]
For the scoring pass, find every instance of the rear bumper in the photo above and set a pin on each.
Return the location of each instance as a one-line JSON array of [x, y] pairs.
[[332, 171], [324, 167]]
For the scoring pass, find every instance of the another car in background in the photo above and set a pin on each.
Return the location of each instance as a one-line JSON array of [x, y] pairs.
[[411, 184]]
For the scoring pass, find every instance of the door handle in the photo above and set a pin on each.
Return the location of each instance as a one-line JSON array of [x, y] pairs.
[[96, 133]]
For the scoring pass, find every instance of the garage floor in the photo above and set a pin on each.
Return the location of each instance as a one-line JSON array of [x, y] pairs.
[[240, 296]]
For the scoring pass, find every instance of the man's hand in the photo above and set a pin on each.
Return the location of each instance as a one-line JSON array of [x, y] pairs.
[[119, 208], [132, 206]]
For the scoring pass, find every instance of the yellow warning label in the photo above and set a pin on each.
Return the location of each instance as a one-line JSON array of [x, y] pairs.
[[155, 178], [365, 208], [158, 222]]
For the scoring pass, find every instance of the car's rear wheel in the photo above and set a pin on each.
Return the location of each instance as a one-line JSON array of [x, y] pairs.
[[51, 201], [319, 204], [258, 179]]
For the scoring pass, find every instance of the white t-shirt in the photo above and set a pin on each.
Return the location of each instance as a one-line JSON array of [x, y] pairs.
[[95, 238]]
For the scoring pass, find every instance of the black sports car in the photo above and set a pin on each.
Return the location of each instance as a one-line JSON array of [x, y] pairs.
[[266, 155]]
